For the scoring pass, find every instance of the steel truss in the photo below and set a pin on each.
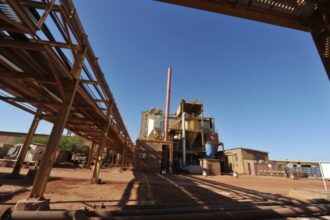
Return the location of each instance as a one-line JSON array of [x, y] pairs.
[[48, 68]]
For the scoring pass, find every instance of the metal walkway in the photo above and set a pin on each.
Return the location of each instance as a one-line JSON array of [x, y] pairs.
[[48, 68]]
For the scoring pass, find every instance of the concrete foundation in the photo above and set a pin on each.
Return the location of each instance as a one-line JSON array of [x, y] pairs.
[[32, 204], [211, 166], [95, 180]]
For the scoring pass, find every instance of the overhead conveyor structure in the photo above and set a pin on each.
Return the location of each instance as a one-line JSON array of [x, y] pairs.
[[304, 15], [48, 68]]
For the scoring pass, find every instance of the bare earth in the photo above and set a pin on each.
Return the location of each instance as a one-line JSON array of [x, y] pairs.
[[70, 189]]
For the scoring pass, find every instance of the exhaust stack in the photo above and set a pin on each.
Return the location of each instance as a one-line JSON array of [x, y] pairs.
[[168, 98]]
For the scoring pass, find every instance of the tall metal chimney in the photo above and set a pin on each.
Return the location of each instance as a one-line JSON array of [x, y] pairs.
[[168, 97]]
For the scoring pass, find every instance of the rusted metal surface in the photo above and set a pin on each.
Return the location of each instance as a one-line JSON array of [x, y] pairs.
[[227, 212], [27, 142], [69, 93], [97, 160], [90, 155], [168, 98], [305, 15], [47, 63], [39, 42]]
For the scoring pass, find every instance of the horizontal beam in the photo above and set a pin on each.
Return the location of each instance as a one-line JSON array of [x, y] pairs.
[[9, 28], [26, 77], [89, 82], [88, 108], [28, 45], [243, 11], [35, 44], [101, 100], [19, 106], [27, 100], [38, 5], [13, 23], [22, 14]]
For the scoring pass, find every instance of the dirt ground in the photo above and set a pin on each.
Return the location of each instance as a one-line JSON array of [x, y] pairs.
[[70, 189]]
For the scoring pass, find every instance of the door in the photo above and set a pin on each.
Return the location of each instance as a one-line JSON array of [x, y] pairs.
[[165, 158], [249, 168]]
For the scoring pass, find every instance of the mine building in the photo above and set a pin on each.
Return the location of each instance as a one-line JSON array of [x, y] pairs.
[[243, 160], [193, 141]]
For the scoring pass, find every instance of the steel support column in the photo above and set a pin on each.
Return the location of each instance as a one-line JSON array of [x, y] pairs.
[[106, 158], [202, 133], [113, 159], [123, 157], [183, 124], [27, 142], [91, 155], [96, 169], [41, 179], [40, 182]]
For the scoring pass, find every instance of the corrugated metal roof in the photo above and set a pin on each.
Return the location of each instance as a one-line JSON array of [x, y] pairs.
[[247, 149]]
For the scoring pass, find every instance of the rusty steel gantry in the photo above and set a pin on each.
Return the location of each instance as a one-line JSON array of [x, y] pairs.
[[48, 68], [305, 15]]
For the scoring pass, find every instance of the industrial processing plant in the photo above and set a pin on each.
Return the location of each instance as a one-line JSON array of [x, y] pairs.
[[192, 143], [242, 132]]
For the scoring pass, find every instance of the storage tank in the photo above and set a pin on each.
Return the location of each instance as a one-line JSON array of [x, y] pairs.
[[194, 125], [210, 150], [155, 123]]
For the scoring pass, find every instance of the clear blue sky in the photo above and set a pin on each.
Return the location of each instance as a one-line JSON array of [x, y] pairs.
[[265, 85]]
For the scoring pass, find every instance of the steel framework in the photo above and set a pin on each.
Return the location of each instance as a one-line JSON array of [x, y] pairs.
[[48, 68], [305, 15]]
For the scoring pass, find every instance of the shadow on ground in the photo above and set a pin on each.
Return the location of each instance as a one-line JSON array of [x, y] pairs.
[[194, 194], [153, 194], [18, 185]]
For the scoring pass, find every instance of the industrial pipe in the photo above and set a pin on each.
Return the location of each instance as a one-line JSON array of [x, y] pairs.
[[168, 98], [49, 215], [186, 210], [256, 213], [202, 135], [183, 121], [290, 211]]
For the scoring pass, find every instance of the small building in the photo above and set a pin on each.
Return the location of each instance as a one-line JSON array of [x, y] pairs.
[[152, 155], [294, 163], [243, 160], [301, 168]]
